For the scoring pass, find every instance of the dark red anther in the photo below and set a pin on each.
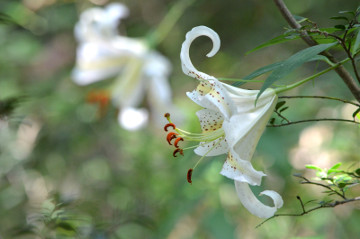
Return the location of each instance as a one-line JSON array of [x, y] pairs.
[[171, 136], [169, 125], [177, 141], [188, 176], [180, 151], [167, 115]]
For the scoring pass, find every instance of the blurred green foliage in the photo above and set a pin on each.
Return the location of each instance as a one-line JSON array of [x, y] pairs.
[[66, 172]]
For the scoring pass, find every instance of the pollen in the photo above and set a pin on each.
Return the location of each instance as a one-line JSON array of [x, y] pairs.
[[180, 151], [177, 141], [171, 136], [169, 125], [188, 176]]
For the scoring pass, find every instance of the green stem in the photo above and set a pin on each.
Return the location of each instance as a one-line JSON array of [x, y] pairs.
[[168, 22], [296, 84]]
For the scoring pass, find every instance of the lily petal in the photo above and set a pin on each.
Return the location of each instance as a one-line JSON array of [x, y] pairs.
[[241, 170], [187, 66], [253, 205]]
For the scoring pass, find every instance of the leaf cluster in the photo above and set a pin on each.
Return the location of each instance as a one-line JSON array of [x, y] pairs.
[[336, 179]]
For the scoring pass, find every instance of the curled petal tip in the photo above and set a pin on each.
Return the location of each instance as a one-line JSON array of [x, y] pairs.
[[253, 205], [187, 66]]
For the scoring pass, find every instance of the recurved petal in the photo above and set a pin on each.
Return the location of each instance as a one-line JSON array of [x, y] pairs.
[[241, 170], [187, 66], [253, 205]]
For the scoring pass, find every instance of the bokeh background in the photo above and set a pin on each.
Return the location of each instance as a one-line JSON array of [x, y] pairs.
[[67, 171]]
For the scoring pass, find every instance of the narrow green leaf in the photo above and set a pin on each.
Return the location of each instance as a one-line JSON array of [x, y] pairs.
[[339, 18], [279, 39], [293, 62], [347, 12], [357, 171], [356, 44], [336, 166], [259, 72], [283, 109], [314, 167], [342, 27], [272, 121], [355, 113], [279, 104]]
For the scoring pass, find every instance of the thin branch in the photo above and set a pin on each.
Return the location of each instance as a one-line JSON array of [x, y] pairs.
[[325, 205], [281, 116], [312, 120], [319, 97], [341, 71]]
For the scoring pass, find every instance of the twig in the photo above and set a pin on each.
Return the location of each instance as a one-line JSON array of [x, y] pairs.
[[318, 97], [325, 205], [341, 71], [312, 120]]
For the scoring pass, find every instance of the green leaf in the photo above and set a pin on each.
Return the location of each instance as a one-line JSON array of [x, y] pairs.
[[283, 109], [336, 166], [279, 39], [357, 171], [279, 104], [293, 62], [355, 113], [314, 167], [356, 43], [276, 65], [342, 27], [259, 72], [339, 18], [272, 121], [347, 12]]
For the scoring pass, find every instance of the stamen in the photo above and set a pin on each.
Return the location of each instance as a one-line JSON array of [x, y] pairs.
[[171, 136], [177, 141], [178, 151], [169, 125], [188, 176]]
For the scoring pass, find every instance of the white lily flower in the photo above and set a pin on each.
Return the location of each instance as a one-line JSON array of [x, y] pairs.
[[103, 53], [231, 124]]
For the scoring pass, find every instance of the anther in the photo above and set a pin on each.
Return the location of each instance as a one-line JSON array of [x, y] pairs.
[[177, 141], [167, 115], [180, 151], [169, 125], [188, 176], [171, 136]]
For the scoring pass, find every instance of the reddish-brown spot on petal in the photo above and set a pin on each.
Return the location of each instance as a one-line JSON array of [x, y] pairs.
[[188, 176], [177, 141], [171, 136], [180, 151], [169, 125]]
